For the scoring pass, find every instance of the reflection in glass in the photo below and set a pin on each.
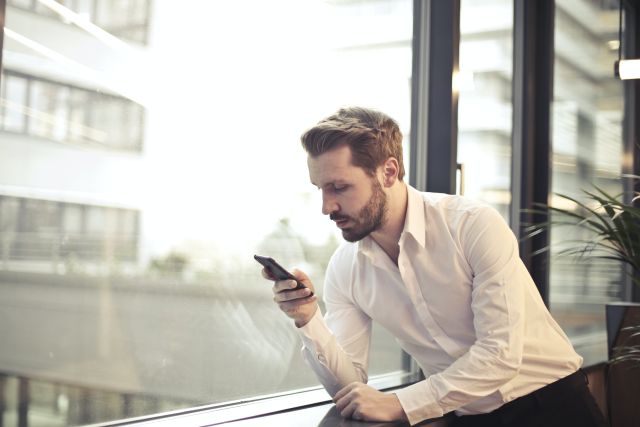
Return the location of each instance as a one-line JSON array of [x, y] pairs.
[[484, 102], [65, 113], [13, 102], [127, 19], [79, 117], [148, 177], [587, 148], [49, 110]]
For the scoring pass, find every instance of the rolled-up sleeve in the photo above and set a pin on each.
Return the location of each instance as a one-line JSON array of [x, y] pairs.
[[337, 347]]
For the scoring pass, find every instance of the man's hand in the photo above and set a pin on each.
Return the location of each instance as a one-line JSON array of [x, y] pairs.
[[301, 304], [361, 402]]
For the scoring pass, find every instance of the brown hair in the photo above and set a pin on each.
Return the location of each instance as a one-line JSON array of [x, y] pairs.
[[372, 136]]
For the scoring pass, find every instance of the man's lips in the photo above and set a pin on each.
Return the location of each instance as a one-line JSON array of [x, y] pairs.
[[341, 221]]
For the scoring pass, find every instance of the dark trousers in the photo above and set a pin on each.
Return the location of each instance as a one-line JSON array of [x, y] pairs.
[[564, 403]]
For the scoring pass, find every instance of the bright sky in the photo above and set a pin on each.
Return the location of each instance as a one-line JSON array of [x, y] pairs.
[[228, 88], [230, 94]]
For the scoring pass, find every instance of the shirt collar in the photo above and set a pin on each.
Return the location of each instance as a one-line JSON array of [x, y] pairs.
[[414, 224], [415, 218], [367, 247]]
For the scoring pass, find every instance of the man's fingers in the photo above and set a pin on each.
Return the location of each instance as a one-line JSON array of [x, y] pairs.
[[345, 390], [291, 295], [294, 305], [348, 401], [267, 274], [284, 285], [362, 402], [349, 410], [340, 394], [344, 397]]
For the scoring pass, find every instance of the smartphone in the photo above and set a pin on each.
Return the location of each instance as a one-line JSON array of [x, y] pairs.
[[278, 271]]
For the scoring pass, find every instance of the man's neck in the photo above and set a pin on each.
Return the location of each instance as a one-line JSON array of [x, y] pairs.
[[388, 236]]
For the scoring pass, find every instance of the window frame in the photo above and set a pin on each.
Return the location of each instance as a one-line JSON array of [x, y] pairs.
[[630, 121], [431, 71]]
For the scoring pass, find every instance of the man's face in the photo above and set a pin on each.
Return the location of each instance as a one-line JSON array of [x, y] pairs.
[[351, 198]]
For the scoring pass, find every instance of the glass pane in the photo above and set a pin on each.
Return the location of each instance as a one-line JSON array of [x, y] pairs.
[[42, 9], [116, 13], [38, 230], [124, 18], [107, 115], [80, 129], [147, 297], [9, 217], [85, 8], [587, 148], [13, 98], [134, 121], [25, 4], [9, 208], [68, 113], [484, 105], [72, 221], [49, 103]]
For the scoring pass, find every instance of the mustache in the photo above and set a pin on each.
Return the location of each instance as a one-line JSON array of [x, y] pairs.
[[337, 217]]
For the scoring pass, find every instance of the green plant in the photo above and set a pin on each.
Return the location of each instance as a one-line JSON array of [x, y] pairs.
[[172, 264], [610, 229], [629, 350]]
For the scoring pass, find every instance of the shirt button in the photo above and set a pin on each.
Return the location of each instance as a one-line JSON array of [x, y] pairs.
[[322, 359]]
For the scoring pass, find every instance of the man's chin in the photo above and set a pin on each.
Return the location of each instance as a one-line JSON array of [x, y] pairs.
[[353, 236]]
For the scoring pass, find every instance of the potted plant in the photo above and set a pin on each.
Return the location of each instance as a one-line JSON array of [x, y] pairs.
[[609, 228]]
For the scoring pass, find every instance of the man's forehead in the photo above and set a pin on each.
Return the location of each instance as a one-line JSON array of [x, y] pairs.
[[330, 160], [333, 166]]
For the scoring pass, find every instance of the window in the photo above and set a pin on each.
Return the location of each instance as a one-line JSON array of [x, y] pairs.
[[484, 105], [124, 18], [587, 117], [14, 100], [64, 236], [65, 113], [50, 110], [138, 270], [127, 19]]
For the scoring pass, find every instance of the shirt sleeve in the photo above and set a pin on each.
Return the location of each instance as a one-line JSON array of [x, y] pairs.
[[497, 303], [336, 347]]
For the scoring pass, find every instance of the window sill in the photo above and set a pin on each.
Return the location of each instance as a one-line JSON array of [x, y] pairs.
[[305, 406]]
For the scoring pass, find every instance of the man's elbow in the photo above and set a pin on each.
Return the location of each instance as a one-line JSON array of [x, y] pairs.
[[505, 360], [509, 361]]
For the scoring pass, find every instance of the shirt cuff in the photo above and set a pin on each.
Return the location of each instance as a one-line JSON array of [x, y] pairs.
[[315, 334], [418, 403]]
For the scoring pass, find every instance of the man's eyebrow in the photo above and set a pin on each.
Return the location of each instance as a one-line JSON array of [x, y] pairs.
[[331, 183], [319, 187], [336, 183]]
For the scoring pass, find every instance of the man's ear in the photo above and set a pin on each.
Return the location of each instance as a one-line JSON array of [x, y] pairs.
[[390, 170]]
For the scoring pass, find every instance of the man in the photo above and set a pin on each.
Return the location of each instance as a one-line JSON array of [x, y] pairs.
[[440, 272]]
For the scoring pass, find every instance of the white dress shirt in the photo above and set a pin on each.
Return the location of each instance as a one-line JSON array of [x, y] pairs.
[[460, 302]]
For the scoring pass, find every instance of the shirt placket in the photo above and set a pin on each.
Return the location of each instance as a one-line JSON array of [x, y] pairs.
[[413, 288]]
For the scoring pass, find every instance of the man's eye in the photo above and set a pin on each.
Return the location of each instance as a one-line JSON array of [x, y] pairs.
[[340, 188]]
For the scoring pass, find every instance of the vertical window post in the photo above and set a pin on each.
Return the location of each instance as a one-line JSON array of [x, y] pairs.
[[630, 126], [532, 95], [434, 109]]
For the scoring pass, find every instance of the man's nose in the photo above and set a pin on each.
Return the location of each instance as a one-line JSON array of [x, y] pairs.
[[329, 204]]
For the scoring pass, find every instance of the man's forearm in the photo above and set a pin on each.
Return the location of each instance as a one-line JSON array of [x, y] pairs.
[[331, 364]]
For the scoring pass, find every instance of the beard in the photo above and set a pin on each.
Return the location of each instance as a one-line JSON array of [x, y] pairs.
[[369, 219]]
